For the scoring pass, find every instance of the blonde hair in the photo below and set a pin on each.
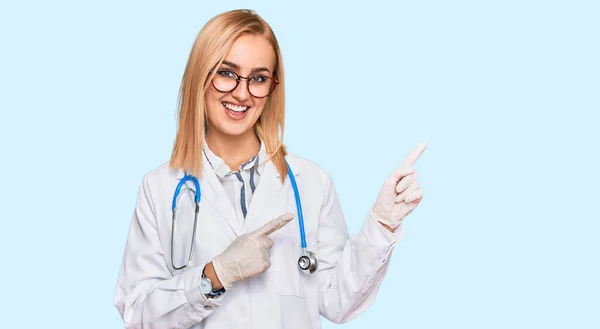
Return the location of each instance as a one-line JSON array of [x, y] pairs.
[[212, 44]]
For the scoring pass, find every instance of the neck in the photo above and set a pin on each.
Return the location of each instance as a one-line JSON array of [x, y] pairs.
[[234, 150]]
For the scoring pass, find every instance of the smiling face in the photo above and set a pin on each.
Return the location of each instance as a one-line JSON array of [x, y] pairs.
[[234, 113]]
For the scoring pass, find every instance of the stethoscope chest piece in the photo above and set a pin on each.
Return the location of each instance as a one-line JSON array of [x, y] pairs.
[[308, 261]]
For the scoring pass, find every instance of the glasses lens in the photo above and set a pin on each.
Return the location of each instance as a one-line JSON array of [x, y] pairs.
[[261, 86], [225, 81]]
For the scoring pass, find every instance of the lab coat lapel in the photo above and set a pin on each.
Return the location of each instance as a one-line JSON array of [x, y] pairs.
[[212, 192], [266, 191]]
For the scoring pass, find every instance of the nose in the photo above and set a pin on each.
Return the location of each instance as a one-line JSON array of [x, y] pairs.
[[241, 92]]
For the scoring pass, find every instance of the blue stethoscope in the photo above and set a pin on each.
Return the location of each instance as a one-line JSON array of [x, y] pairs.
[[307, 261]]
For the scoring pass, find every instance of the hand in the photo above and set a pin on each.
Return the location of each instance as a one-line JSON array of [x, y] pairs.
[[248, 255], [400, 194]]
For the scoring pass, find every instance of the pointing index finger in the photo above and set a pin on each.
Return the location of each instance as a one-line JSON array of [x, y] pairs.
[[414, 155], [275, 224]]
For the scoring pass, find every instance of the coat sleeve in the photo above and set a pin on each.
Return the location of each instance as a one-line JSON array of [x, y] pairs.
[[147, 294], [351, 269]]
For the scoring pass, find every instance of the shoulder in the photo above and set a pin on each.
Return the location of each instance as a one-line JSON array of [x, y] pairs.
[[161, 174], [307, 169]]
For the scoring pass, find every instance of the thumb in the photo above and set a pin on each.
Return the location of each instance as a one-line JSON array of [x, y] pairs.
[[400, 172], [275, 224]]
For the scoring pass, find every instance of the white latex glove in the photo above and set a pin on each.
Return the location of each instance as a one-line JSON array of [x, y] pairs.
[[400, 194], [249, 254]]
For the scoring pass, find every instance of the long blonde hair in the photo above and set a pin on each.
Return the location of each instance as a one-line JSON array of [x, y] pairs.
[[212, 44]]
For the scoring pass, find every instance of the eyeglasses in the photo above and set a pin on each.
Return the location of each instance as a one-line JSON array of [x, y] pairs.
[[258, 85]]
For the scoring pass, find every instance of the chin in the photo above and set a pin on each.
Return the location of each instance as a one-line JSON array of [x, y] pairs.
[[235, 131]]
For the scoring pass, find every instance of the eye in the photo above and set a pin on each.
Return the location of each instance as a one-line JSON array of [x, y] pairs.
[[226, 74], [259, 79]]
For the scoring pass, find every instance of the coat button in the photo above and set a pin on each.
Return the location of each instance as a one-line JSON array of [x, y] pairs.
[[207, 307]]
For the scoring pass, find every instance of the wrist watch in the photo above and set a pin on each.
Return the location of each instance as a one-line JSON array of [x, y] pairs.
[[207, 288]]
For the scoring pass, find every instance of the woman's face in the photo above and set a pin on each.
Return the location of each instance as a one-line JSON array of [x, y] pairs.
[[235, 112]]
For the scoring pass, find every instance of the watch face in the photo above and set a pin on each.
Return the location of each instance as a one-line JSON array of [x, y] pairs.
[[205, 286]]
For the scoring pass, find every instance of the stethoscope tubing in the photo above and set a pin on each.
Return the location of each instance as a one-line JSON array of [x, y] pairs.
[[197, 201], [298, 206]]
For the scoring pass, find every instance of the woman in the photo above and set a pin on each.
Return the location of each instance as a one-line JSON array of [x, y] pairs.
[[244, 270]]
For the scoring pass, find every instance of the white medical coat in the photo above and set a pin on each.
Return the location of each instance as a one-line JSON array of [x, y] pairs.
[[151, 294]]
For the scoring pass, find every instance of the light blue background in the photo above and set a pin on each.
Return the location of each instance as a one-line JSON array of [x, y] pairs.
[[506, 93]]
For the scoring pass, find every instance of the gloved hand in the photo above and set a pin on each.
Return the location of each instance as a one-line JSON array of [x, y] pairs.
[[249, 254], [400, 193]]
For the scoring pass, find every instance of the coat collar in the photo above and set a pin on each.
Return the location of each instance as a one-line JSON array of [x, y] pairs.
[[222, 169]]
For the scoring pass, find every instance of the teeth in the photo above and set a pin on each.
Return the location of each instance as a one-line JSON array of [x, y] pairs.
[[235, 108]]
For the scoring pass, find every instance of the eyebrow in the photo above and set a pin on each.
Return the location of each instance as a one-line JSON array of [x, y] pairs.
[[237, 67]]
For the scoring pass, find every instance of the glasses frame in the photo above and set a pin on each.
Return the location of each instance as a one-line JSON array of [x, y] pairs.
[[237, 83]]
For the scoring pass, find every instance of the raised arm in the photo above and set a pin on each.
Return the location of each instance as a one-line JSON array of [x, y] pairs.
[[352, 268]]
